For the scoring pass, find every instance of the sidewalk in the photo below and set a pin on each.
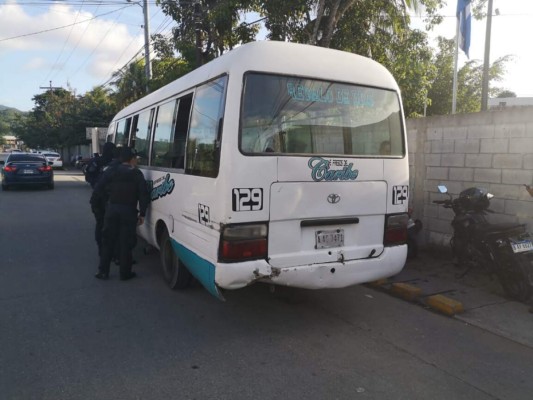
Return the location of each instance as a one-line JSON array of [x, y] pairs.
[[434, 282]]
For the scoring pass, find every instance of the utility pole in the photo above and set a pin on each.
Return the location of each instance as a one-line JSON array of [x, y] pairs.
[[198, 31], [148, 63], [50, 87], [485, 79], [146, 26]]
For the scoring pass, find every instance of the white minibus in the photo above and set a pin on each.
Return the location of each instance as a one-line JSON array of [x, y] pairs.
[[276, 162]]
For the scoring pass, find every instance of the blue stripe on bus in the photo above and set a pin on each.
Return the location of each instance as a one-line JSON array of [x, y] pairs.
[[202, 269]]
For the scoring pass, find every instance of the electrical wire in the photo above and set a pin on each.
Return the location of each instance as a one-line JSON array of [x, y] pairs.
[[63, 48], [99, 43], [80, 38], [64, 26]]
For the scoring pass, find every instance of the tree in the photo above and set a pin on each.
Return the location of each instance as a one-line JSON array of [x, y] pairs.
[[468, 81], [405, 52], [376, 28], [7, 116], [44, 126], [506, 94], [318, 22], [130, 83], [218, 24], [60, 118]]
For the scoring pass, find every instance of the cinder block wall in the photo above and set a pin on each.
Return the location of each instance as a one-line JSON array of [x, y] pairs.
[[492, 150]]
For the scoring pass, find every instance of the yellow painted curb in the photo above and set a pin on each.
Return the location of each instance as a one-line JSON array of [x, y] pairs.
[[378, 283], [445, 304], [406, 291]]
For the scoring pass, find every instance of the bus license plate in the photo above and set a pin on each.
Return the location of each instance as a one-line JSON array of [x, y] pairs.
[[327, 239], [520, 247]]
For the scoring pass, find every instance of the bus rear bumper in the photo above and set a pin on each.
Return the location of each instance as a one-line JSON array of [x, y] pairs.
[[314, 276]]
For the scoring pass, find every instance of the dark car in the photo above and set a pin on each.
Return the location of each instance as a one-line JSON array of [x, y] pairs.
[[21, 169]]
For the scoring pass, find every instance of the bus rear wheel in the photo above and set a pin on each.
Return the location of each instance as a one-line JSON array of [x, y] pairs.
[[175, 273]]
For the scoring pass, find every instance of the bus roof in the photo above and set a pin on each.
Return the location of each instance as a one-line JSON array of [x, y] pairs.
[[277, 58]]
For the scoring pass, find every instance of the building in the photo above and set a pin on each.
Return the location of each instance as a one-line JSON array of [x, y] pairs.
[[510, 102], [11, 142]]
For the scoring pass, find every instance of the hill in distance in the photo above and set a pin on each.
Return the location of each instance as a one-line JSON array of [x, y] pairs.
[[5, 108]]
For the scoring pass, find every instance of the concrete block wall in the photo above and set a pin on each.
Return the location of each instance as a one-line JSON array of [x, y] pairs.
[[492, 150]]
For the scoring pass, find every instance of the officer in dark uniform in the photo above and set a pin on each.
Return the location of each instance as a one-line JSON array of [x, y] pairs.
[[99, 200], [126, 188]]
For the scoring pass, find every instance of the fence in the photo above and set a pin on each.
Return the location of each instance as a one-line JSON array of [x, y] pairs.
[[492, 149]]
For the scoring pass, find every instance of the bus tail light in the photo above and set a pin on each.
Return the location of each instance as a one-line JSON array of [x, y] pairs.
[[243, 242], [395, 229]]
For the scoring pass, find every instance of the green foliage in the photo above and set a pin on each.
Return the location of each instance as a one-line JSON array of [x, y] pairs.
[[7, 117], [59, 118], [218, 23], [506, 94], [381, 32], [167, 70], [130, 84], [469, 79], [378, 29]]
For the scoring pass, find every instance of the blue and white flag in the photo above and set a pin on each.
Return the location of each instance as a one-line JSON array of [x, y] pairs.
[[464, 17]]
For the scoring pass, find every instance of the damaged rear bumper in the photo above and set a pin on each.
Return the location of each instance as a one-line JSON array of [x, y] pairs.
[[313, 276]]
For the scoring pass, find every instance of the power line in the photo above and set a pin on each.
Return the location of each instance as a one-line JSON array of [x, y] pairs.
[[64, 45], [73, 3], [101, 40], [64, 26], [169, 36], [81, 37]]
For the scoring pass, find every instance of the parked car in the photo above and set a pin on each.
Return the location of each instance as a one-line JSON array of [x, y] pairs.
[[21, 169], [54, 158], [3, 158]]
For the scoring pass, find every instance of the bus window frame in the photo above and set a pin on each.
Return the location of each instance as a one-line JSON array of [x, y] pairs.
[[279, 154], [154, 109], [133, 135]]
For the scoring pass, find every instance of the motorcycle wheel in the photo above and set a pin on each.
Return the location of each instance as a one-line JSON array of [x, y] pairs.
[[515, 279]]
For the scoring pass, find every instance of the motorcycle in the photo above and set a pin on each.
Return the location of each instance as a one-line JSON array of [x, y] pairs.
[[504, 250]]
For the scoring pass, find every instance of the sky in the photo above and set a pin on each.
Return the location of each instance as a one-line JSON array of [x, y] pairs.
[[78, 44]]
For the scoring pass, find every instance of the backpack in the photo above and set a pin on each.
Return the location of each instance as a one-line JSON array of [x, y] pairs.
[[92, 171]]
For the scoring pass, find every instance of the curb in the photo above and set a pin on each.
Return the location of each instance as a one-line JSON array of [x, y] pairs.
[[411, 293], [445, 304], [406, 291]]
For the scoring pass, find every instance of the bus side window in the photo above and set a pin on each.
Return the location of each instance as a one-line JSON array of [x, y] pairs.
[[162, 146], [180, 132], [202, 157], [141, 134], [121, 135]]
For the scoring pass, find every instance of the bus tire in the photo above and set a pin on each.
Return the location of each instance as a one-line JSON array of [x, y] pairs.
[[175, 273]]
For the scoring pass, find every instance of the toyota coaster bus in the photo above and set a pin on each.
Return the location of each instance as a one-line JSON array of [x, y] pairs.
[[276, 162]]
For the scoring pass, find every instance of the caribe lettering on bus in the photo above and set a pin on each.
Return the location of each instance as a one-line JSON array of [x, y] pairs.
[[166, 187], [320, 171]]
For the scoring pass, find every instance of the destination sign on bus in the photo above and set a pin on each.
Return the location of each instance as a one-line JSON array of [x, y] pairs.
[[357, 97]]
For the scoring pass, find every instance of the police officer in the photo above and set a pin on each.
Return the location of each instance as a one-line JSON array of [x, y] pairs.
[[127, 189], [99, 200]]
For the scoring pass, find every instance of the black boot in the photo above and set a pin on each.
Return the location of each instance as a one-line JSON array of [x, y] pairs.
[[101, 275]]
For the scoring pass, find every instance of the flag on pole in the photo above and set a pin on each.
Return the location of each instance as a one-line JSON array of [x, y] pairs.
[[464, 18]]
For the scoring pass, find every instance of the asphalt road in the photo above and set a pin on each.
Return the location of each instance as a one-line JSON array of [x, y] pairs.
[[66, 335]]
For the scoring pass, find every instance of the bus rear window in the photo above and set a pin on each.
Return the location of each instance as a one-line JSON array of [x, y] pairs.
[[291, 115]]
